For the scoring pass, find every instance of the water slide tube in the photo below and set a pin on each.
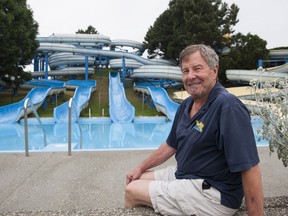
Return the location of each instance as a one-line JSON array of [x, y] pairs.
[[63, 72], [13, 112], [161, 100], [80, 100], [77, 39], [158, 71], [120, 109], [73, 47], [53, 47], [268, 74], [59, 59], [90, 40], [128, 43], [129, 63], [278, 53]]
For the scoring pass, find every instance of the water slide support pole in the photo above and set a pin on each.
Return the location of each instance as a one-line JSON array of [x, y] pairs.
[[46, 65], [260, 63], [36, 63], [86, 67], [123, 72], [100, 65]]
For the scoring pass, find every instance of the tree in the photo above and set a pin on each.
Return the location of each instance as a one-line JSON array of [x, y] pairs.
[[189, 22], [17, 38], [245, 50], [90, 30]]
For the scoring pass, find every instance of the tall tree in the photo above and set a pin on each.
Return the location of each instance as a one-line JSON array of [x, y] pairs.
[[90, 30], [250, 48], [17, 37], [245, 50], [189, 22]]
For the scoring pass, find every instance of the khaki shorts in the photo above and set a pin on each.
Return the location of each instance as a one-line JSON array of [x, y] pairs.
[[171, 196]]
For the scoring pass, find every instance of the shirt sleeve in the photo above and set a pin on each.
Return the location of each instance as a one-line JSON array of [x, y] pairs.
[[237, 138]]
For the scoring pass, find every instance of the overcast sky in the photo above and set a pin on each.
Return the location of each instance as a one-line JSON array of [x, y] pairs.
[[130, 19]]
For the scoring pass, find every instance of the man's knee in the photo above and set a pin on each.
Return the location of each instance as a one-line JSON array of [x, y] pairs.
[[137, 193], [130, 192], [129, 189]]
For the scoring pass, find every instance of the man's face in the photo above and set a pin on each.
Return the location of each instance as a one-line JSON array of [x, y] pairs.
[[198, 78]]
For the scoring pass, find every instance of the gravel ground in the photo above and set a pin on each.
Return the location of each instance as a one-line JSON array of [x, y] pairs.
[[274, 206]]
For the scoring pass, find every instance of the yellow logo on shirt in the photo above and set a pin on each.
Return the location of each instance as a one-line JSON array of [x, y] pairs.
[[199, 126]]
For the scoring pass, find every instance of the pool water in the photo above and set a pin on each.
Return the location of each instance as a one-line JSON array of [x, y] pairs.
[[97, 134]]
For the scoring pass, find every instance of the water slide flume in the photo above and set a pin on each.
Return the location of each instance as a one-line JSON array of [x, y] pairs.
[[80, 49], [268, 74], [81, 99], [13, 112], [120, 109], [158, 72], [161, 100]]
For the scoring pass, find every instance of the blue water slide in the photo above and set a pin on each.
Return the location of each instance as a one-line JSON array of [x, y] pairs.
[[44, 82], [120, 109], [80, 100], [162, 101], [13, 112], [73, 84]]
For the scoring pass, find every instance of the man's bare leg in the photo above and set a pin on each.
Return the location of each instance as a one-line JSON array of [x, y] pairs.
[[137, 191], [137, 194]]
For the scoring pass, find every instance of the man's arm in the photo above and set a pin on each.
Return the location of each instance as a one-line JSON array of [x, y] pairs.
[[253, 191], [162, 154]]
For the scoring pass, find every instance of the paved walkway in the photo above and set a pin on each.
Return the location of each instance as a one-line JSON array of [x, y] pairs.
[[90, 182]]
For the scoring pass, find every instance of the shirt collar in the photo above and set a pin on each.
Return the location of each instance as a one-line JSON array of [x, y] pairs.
[[212, 96]]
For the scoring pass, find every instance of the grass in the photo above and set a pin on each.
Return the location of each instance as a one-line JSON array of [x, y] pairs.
[[98, 103]]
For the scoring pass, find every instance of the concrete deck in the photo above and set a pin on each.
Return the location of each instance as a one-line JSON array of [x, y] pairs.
[[92, 183]]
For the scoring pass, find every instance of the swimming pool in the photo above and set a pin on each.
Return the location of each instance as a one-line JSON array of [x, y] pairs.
[[97, 134]]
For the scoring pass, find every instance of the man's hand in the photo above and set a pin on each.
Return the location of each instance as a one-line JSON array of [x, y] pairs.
[[133, 175], [162, 154]]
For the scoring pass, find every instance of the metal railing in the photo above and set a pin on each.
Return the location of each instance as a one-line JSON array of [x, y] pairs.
[[26, 104], [70, 106]]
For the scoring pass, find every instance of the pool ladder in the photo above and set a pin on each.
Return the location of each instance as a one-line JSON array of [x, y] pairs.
[[71, 104], [26, 106]]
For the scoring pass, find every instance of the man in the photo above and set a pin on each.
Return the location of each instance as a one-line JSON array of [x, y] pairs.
[[214, 146]]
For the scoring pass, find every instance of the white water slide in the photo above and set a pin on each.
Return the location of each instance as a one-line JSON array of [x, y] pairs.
[[55, 47], [71, 49], [267, 74]]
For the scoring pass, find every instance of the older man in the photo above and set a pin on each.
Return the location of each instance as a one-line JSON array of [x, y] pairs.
[[214, 146]]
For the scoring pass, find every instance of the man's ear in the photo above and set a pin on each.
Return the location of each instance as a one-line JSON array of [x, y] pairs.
[[215, 71]]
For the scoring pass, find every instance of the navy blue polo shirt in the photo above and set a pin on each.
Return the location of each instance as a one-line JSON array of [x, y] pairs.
[[216, 144]]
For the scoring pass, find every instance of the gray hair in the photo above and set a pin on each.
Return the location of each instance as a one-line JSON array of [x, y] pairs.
[[208, 54]]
